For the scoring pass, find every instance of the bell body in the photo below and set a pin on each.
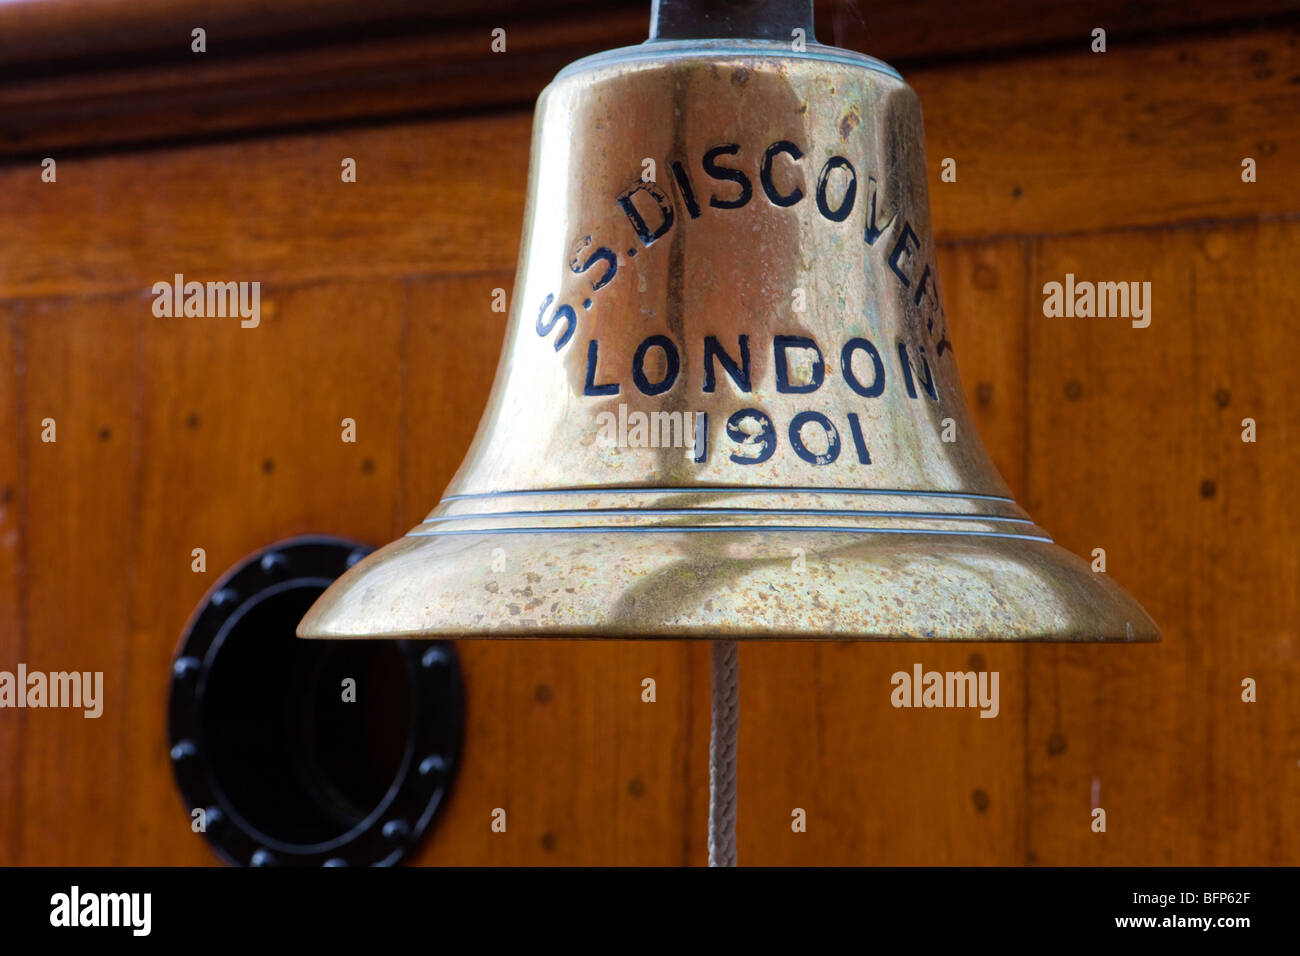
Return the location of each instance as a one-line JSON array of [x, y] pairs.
[[727, 404]]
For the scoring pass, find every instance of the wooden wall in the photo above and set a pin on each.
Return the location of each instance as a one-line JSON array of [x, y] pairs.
[[176, 434]]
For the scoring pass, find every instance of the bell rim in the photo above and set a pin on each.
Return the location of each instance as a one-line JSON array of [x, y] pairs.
[[442, 586]]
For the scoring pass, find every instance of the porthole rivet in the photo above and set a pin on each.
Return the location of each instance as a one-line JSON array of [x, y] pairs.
[[433, 765], [184, 750], [185, 666], [396, 830]]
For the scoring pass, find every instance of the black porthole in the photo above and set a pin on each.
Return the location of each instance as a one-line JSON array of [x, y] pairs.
[[262, 740]]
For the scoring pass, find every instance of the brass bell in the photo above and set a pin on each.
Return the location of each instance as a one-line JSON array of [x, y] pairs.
[[727, 405]]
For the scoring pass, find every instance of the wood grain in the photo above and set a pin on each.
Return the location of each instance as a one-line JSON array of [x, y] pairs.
[[184, 433], [82, 75], [1136, 136], [586, 771], [1136, 448], [12, 512], [70, 31], [441, 198], [230, 93], [245, 432], [82, 510]]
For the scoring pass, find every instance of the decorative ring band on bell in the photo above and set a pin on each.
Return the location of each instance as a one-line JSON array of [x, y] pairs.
[[728, 406]]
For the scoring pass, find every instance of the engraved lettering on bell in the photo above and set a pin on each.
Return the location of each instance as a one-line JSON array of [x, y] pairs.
[[823, 427]]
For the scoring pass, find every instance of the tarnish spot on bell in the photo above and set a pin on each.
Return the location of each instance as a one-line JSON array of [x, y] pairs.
[[849, 123]]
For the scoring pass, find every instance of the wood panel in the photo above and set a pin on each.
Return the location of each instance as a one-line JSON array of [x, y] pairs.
[[1135, 136], [985, 295], [445, 197], [244, 432], [81, 75], [83, 510], [220, 421], [12, 512], [1136, 447], [904, 31], [74, 31], [558, 735], [180, 433], [225, 93]]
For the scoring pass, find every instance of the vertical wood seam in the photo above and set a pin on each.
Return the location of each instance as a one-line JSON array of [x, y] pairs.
[[17, 328], [1027, 665], [403, 347], [132, 543]]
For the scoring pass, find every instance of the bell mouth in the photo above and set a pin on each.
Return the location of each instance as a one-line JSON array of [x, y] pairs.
[[663, 581], [642, 304]]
